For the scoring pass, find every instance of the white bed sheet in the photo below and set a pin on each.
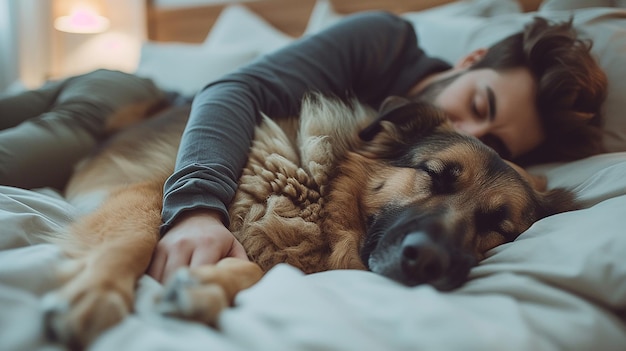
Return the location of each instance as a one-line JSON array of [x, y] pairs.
[[560, 286]]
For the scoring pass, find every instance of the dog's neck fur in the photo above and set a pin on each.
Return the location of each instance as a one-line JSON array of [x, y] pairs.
[[283, 195]]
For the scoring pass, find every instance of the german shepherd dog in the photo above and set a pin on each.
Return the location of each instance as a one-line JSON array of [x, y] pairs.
[[397, 192]]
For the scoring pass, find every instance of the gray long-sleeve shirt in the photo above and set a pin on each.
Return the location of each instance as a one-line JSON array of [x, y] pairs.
[[370, 55]]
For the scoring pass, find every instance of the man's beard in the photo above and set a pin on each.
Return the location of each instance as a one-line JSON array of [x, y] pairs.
[[431, 91]]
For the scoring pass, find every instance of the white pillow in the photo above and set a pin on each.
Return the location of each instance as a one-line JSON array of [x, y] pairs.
[[237, 38], [187, 68], [556, 5], [238, 28], [324, 15]]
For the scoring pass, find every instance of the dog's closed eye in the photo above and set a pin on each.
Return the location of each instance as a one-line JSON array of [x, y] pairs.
[[444, 176]]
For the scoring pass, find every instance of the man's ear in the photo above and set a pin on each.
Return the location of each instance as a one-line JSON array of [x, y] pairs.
[[471, 58]]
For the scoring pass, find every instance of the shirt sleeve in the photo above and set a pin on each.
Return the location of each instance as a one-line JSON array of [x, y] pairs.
[[370, 56]]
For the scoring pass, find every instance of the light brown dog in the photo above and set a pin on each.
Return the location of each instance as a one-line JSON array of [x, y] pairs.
[[342, 187]]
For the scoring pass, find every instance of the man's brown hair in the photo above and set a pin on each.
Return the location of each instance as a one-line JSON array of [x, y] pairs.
[[571, 87]]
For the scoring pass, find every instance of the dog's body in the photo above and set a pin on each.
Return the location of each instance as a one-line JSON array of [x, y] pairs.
[[407, 198]]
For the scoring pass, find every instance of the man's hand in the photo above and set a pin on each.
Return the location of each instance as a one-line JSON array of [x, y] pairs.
[[198, 238]]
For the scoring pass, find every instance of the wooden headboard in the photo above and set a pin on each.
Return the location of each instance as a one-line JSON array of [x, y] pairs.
[[192, 24]]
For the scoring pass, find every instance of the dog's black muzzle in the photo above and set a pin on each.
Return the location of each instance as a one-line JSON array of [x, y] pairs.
[[414, 247]]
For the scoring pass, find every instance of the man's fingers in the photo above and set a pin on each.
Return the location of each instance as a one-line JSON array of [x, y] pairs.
[[159, 258], [212, 254], [238, 251], [196, 240], [177, 258], [205, 255]]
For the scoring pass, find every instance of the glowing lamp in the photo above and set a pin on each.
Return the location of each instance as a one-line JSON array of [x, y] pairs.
[[82, 20]]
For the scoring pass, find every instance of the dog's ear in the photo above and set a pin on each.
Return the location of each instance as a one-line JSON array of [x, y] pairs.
[[539, 183], [556, 201], [409, 118], [550, 201], [391, 103]]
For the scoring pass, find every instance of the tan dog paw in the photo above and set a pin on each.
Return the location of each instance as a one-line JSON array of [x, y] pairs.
[[201, 293], [77, 314], [186, 297]]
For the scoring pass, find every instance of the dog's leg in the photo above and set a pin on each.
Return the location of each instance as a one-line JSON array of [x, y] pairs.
[[112, 247], [201, 293]]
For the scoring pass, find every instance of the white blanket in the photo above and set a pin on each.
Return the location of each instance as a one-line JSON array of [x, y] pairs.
[[560, 286]]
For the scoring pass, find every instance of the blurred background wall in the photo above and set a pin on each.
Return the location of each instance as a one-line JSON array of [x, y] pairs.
[[33, 51]]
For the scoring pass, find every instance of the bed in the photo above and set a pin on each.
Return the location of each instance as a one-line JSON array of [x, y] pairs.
[[560, 286]]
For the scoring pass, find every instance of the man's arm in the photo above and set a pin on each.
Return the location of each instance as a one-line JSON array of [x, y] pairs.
[[365, 55], [368, 56]]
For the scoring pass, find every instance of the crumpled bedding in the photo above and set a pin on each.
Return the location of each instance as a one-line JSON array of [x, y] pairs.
[[560, 286]]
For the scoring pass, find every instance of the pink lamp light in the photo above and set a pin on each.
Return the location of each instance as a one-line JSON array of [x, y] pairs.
[[82, 20]]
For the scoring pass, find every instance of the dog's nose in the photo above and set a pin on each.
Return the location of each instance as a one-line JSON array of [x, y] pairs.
[[422, 259]]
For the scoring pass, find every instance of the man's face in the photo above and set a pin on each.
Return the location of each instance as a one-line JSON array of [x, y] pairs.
[[497, 107]]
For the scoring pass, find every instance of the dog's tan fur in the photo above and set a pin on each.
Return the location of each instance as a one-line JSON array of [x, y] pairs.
[[304, 198]]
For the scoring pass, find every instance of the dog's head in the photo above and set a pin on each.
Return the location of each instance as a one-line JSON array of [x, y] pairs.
[[436, 201]]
